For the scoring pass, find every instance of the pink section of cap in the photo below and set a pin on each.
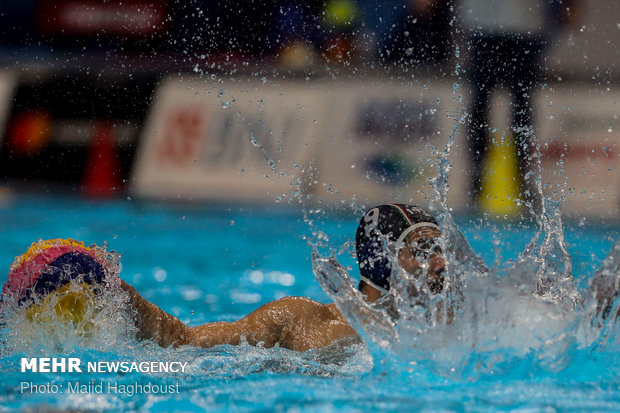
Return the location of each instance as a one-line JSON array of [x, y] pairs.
[[24, 276]]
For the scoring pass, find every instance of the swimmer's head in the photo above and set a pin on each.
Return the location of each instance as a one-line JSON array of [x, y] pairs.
[[398, 226], [49, 267]]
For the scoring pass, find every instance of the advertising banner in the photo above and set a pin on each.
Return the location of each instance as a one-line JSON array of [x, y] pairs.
[[363, 142], [243, 141], [580, 148], [130, 18], [382, 141], [266, 142]]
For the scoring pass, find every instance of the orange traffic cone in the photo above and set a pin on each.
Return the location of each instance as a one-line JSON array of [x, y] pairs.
[[102, 172]]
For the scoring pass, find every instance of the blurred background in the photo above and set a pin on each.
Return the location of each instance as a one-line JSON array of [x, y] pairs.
[[211, 141], [336, 102]]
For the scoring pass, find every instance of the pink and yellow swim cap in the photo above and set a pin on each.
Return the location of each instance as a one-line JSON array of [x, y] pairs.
[[49, 265]]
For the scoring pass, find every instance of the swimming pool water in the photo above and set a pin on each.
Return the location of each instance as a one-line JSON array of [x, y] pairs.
[[220, 262]]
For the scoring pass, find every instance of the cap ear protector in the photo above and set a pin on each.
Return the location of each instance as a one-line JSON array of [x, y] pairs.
[[391, 223]]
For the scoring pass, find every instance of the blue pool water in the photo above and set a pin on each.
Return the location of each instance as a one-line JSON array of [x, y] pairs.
[[218, 263]]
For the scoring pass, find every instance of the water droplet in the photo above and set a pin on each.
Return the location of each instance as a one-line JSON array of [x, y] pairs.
[[160, 274], [257, 277], [286, 279]]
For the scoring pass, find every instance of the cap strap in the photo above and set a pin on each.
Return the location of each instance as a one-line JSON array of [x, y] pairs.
[[416, 226], [373, 285]]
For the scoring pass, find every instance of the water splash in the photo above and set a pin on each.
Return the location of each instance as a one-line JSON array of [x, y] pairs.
[[526, 317], [103, 322], [600, 306], [502, 325], [75, 315], [549, 260]]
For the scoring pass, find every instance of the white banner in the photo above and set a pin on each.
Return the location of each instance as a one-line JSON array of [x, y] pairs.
[[579, 130], [366, 141], [380, 141], [210, 140]]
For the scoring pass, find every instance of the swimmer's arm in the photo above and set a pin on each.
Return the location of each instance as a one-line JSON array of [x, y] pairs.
[[154, 323], [164, 329], [295, 323]]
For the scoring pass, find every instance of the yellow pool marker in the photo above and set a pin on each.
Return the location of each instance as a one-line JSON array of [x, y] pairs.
[[501, 183], [341, 13]]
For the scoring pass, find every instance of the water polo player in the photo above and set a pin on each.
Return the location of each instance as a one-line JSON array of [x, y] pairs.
[[406, 232], [59, 279], [387, 234]]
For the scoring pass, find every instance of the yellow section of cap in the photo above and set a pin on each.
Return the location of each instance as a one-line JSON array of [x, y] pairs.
[[38, 247], [501, 183], [70, 304]]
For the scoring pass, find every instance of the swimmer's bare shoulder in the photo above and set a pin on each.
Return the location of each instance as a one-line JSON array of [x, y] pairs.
[[296, 323]]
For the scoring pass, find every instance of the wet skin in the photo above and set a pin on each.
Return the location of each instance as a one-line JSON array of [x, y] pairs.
[[296, 323]]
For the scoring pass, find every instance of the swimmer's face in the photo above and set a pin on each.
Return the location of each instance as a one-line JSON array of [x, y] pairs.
[[421, 246]]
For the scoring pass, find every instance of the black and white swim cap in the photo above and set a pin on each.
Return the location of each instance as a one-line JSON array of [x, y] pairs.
[[391, 223]]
